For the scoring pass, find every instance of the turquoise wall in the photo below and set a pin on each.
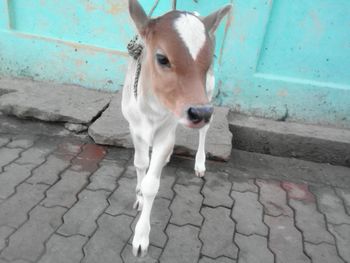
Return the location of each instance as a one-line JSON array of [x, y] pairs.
[[278, 59]]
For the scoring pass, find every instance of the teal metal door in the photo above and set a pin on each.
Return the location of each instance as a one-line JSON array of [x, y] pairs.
[[289, 60], [280, 59]]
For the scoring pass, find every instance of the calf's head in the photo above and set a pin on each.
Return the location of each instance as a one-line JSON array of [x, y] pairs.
[[178, 54]]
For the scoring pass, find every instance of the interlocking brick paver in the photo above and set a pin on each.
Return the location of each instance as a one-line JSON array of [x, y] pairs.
[[14, 210], [299, 192], [68, 147], [323, 253], [92, 152], [21, 143], [89, 158], [8, 155], [34, 155], [309, 220], [253, 249], [119, 155], [205, 259], [63, 249], [183, 245], [159, 219], [217, 233], [106, 176], [245, 186], [110, 238], [217, 190], [123, 198], [331, 205], [248, 213], [64, 199], [337, 176], [151, 257], [47, 143], [273, 197], [311, 223], [4, 141], [28, 241], [48, 173], [285, 240], [13, 175], [342, 236], [64, 192], [80, 219], [167, 181], [188, 177], [5, 232], [130, 172], [186, 205], [345, 195]]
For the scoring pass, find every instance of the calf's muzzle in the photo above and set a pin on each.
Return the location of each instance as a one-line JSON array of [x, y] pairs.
[[197, 114]]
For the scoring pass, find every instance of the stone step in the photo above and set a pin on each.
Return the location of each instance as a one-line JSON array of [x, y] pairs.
[[289, 139], [78, 107], [51, 102], [112, 129]]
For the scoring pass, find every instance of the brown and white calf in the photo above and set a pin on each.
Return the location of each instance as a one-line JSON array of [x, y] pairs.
[[175, 86]]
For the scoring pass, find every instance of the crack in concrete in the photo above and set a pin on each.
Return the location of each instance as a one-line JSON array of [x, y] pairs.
[[99, 113]]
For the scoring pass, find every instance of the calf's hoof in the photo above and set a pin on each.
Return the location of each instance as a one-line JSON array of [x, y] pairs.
[[199, 170], [140, 247]]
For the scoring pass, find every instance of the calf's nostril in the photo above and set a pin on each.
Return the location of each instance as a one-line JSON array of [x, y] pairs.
[[207, 112], [194, 114], [198, 114]]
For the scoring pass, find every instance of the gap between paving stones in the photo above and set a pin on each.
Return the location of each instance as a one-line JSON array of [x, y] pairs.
[[31, 170], [185, 177], [39, 202], [327, 228], [104, 212], [67, 208], [264, 222], [295, 221]]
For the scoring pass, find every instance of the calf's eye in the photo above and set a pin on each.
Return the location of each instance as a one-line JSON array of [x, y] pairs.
[[162, 60]]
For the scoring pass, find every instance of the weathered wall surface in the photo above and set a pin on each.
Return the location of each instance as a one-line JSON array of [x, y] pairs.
[[280, 59]]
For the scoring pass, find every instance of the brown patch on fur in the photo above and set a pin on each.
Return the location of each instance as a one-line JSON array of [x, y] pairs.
[[184, 83]]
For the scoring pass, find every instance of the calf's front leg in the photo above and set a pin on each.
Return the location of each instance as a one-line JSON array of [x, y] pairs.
[[141, 162], [199, 166], [163, 145]]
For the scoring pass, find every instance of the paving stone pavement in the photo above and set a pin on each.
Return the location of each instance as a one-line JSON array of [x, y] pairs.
[[65, 199]]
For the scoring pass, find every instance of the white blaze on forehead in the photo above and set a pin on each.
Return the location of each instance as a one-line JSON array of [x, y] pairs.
[[192, 32]]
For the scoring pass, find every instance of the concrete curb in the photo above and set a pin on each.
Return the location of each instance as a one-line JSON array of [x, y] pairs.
[[51, 102], [79, 106], [287, 139], [81, 109]]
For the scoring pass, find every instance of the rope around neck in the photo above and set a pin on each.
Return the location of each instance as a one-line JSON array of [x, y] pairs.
[[135, 48]]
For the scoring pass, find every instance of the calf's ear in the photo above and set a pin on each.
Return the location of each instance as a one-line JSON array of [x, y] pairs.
[[213, 20], [138, 15]]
